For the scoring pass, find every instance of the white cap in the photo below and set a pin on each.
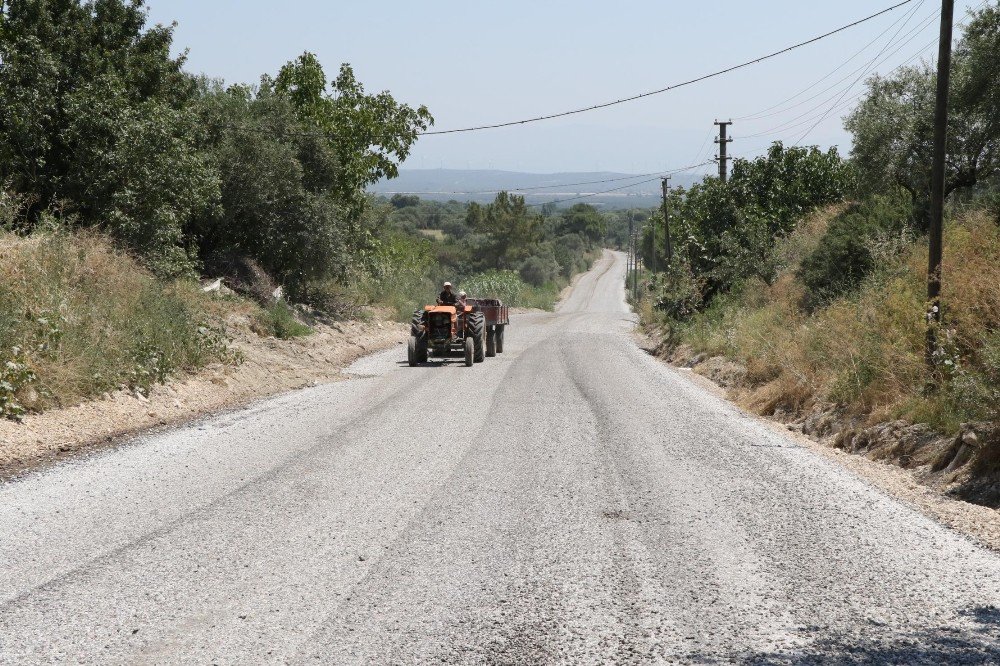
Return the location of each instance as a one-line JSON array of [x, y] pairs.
[[461, 293], [447, 284]]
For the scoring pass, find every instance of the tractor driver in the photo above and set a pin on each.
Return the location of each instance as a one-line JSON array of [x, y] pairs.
[[447, 296]]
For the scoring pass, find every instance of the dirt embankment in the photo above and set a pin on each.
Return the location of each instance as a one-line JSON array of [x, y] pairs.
[[269, 366]]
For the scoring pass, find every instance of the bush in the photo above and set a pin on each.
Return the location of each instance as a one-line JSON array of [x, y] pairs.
[[277, 319], [505, 285], [79, 318], [539, 270], [845, 256], [678, 292]]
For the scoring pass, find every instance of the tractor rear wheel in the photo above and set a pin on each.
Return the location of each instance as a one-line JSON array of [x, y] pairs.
[[477, 323], [416, 322], [491, 341], [499, 337], [411, 351], [469, 351]]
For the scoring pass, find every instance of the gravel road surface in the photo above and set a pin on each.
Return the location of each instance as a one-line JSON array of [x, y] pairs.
[[570, 501]]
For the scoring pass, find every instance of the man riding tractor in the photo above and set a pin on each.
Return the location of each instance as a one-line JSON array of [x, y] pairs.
[[447, 296]]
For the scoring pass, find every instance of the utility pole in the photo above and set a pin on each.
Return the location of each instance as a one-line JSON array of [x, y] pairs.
[[652, 251], [723, 141], [938, 179], [638, 261], [666, 218], [629, 263]]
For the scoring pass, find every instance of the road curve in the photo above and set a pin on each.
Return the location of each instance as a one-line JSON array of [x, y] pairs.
[[571, 501]]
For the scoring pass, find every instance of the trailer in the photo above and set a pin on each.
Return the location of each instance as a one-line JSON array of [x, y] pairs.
[[496, 318]]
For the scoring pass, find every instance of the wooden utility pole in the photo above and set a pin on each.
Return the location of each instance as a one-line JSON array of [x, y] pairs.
[[629, 262], [652, 252], [723, 141], [934, 235], [666, 218]]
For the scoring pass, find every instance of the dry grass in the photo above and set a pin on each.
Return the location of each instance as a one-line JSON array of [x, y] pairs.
[[79, 318], [866, 351]]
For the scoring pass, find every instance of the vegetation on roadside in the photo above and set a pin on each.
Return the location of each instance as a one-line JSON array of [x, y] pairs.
[[79, 317], [810, 270], [124, 178]]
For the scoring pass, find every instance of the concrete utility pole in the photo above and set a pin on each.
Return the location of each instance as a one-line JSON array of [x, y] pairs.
[[723, 142], [938, 178], [666, 218]]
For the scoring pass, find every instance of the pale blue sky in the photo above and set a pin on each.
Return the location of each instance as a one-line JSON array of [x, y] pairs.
[[476, 62]]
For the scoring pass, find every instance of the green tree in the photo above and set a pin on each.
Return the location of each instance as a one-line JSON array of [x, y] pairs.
[[510, 227], [585, 220], [893, 126], [95, 121], [370, 134]]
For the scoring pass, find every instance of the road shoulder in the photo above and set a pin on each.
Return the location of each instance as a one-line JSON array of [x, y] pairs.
[[270, 367], [979, 523]]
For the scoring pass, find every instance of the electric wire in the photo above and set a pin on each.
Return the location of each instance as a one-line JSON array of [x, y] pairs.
[[617, 189], [770, 111], [861, 76], [809, 115], [659, 91]]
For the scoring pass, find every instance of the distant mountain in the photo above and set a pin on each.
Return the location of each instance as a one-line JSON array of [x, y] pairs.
[[481, 185]]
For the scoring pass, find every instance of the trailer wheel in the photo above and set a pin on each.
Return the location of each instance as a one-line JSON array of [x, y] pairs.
[[411, 351], [499, 337], [491, 341], [469, 352]]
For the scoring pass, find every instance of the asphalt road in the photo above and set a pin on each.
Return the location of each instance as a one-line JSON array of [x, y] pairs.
[[571, 501]]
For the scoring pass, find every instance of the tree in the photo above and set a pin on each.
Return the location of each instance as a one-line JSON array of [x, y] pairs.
[[370, 134], [95, 121], [893, 126], [585, 220], [511, 229]]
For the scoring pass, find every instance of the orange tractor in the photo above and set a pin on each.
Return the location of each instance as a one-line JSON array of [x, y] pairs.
[[475, 331]]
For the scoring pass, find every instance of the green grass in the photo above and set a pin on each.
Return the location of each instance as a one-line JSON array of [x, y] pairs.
[[278, 320], [79, 318]]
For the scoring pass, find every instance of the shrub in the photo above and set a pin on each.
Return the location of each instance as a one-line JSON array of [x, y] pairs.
[[505, 285], [79, 318], [277, 319], [844, 256], [539, 270]]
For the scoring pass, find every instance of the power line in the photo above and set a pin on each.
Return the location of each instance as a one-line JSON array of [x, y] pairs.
[[623, 187], [544, 187], [791, 123], [871, 66], [650, 93], [764, 113]]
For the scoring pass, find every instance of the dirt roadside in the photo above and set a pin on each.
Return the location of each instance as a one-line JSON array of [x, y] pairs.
[[980, 523], [270, 366]]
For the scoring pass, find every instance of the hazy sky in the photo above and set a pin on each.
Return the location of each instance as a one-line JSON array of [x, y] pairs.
[[476, 62]]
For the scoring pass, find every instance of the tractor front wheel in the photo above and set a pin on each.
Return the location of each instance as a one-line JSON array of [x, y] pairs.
[[469, 351]]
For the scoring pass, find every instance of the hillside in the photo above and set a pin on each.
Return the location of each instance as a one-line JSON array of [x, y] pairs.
[[482, 185]]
